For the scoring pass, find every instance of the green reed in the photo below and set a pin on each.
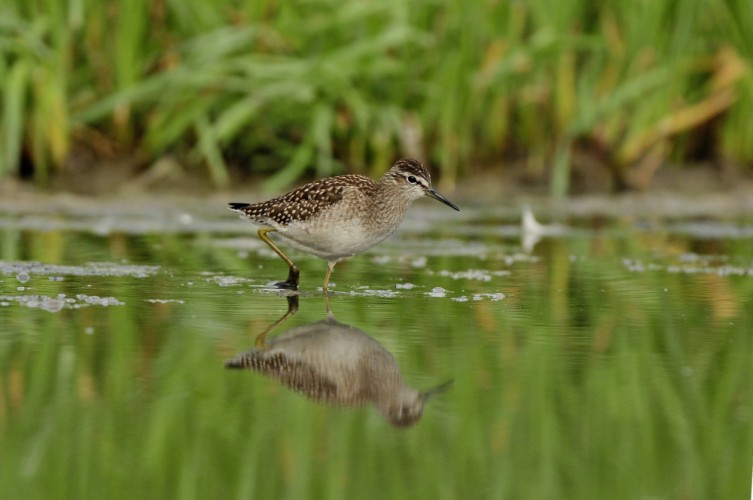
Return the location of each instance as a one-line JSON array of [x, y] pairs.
[[586, 381], [281, 89]]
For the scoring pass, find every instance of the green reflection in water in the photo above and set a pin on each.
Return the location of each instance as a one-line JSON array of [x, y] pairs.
[[601, 368]]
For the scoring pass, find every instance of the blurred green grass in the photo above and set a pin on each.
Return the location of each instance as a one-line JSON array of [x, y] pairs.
[[281, 88], [587, 381]]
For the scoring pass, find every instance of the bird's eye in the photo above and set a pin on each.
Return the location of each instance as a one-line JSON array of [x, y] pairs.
[[412, 179]]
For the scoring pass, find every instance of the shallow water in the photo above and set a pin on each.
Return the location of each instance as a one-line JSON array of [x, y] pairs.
[[611, 358]]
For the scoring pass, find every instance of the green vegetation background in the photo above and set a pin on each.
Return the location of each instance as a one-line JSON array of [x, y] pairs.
[[280, 88], [588, 380]]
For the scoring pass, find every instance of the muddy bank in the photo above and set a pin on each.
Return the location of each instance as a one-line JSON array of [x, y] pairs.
[[181, 198]]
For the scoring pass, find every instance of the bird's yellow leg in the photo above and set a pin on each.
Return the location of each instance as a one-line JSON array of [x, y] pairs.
[[292, 309], [330, 267], [326, 303], [293, 273]]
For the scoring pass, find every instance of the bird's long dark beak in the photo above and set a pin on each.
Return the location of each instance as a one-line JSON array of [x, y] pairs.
[[430, 192], [434, 391]]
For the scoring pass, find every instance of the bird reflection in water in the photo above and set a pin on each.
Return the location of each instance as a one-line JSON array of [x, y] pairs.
[[337, 364]]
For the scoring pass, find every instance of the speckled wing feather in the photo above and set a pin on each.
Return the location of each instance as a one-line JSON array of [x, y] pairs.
[[297, 375], [303, 203]]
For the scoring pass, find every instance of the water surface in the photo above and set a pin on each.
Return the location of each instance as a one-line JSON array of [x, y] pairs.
[[612, 358]]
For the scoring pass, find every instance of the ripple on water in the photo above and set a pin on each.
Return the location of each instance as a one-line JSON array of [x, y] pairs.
[[471, 274], [59, 302], [24, 270], [690, 265]]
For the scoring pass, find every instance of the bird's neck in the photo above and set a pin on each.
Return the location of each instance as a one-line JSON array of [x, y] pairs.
[[389, 202]]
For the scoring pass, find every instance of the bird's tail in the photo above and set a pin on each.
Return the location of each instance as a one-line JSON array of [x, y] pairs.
[[247, 360], [237, 206]]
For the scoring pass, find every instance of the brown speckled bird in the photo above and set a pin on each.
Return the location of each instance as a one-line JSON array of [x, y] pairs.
[[334, 363], [337, 217]]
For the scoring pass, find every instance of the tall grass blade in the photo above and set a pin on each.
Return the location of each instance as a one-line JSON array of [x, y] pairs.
[[15, 90]]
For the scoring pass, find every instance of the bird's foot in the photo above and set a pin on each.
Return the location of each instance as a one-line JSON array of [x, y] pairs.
[[292, 282], [287, 285]]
